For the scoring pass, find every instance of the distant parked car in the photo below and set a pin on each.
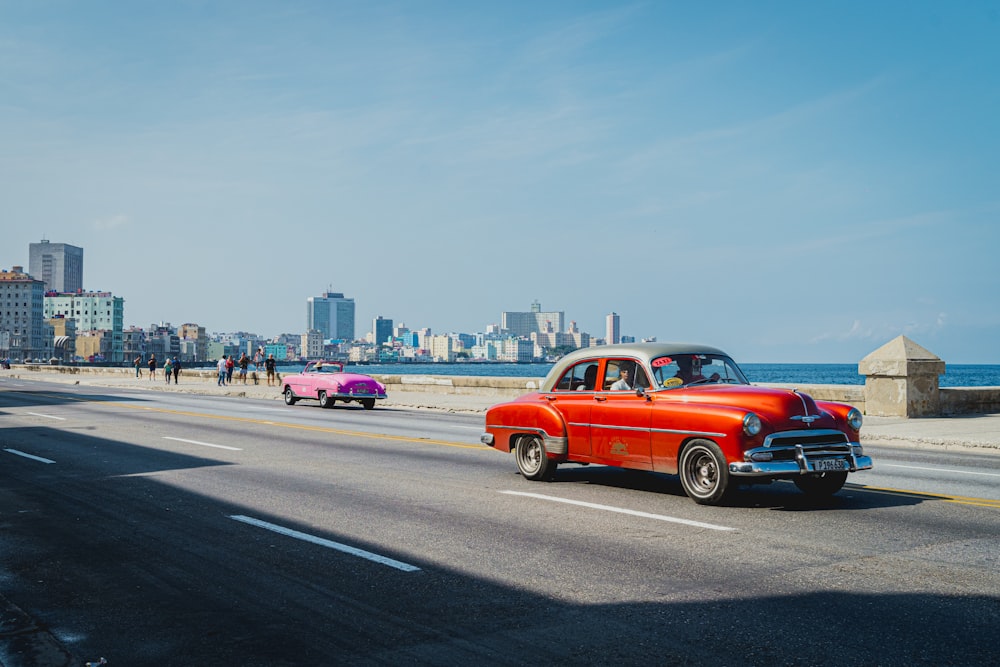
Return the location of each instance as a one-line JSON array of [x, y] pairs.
[[326, 382], [679, 409]]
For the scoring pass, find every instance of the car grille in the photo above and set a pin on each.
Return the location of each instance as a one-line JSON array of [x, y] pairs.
[[813, 443]]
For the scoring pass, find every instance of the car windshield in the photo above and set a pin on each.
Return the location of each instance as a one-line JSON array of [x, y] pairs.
[[327, 368], [681, 370]]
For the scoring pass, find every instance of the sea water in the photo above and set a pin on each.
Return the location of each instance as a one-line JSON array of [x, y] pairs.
[[956, 375]]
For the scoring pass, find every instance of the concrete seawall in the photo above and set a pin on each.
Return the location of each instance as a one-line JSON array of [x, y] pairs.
[[475, 395], [499, 388], [953, 401]]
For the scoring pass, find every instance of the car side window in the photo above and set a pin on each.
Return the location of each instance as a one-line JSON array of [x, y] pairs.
[[634, 376], [578, 377], [641, 381], [612, 370]]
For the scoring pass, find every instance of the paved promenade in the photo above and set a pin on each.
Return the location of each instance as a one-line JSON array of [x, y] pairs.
[[979, 431]]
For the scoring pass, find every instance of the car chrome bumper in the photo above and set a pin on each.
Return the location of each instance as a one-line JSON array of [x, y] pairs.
[[355, 397], [802, 464], [558, 446]]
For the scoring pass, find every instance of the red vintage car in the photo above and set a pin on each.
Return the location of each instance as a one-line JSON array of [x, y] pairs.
[[326, 382], [679, 409]]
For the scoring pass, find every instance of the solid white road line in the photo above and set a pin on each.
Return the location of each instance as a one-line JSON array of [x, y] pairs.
[[957, 472], [203, 444], [29, 456], [608, 508], [39, 414], [367, 555]]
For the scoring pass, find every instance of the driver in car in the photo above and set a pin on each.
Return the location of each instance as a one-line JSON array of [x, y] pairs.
[[689, 370]]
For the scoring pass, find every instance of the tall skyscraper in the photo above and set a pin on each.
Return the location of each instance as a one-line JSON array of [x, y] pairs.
[[613, 329], [58, 265], [332, 314], [381, 330]]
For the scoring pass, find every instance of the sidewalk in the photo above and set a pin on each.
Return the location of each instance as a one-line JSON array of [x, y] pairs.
[[978, 431]]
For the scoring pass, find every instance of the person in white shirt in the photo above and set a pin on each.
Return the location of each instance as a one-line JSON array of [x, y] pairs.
[[222, 370], [623, 383]]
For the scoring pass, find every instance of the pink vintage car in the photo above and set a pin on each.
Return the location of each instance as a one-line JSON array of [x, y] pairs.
[[326, 382]]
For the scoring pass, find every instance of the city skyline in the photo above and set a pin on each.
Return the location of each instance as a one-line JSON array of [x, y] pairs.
[[800, 182]]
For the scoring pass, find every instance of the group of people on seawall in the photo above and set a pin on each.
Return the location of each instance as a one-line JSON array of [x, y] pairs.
[[171, 368]]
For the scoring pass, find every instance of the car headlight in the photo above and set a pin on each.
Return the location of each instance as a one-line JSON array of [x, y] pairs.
[[751, 424], [854, 419]]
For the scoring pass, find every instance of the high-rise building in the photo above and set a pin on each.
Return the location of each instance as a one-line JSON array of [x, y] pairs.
[[23, 331], [332, 314], [522, 325], [312, 344], [381, 330], [613, 329], [93, 311], [58, 265]]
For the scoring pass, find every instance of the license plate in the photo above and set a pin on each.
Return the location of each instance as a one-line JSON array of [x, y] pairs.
[[826, 465], [361, 390]]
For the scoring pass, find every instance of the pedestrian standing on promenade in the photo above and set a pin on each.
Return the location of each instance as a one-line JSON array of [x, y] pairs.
[[258, 359], [230, 365], [152, 366], [244, 363], [138, 367], [222, 370], [269, 365], [177, 368], [167, 369]]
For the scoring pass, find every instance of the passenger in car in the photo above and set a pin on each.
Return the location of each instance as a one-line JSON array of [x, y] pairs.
[[589, 376], [624, 374]]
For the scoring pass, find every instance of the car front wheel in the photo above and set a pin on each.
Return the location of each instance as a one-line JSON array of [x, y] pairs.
[[532, 461], [704, 473], [289, 396], [821, 485]]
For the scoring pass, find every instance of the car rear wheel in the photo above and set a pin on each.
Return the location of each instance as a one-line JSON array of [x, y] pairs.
[[821, 485], [289, 396], [704, 473], [325, 401], [368, 403], [532, 461]]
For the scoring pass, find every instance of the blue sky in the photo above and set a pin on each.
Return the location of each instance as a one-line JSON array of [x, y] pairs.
[[790, 181]]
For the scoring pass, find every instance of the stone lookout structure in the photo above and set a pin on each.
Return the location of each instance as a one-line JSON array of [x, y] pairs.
[[901, 380]]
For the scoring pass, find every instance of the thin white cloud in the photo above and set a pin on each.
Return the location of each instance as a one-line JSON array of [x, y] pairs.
[[110, 223]]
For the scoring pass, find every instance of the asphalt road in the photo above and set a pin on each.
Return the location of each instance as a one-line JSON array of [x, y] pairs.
[[153, 528]]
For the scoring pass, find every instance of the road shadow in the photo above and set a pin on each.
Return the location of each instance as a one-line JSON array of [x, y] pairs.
[[780, 495], [23, 398], [146, 573]]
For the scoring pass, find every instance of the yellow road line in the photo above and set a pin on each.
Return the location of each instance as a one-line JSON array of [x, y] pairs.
[[958, 500]]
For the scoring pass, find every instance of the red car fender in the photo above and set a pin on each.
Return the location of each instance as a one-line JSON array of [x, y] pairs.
[[527, 415], [839, 412], [675, 424]]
